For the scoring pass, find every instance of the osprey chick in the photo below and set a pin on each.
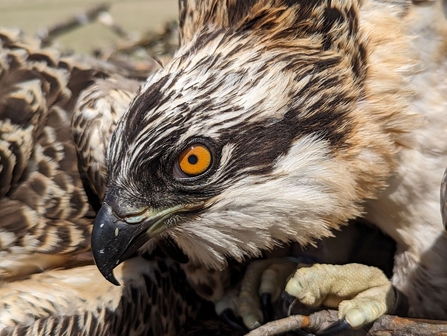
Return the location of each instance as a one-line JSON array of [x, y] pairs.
[[280, 120]]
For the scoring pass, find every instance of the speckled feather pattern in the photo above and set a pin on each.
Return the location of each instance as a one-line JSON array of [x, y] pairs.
[[43, 207]]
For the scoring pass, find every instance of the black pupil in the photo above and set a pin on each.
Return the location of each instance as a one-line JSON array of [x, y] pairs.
[[193, 159]]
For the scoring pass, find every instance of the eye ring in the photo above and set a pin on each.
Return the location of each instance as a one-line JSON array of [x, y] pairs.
[[193, 161]]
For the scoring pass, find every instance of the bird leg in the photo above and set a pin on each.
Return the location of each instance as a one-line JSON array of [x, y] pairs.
[[263, 278], [361, 293]]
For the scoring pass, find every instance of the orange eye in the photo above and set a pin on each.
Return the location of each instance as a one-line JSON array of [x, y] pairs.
[[194, 160]]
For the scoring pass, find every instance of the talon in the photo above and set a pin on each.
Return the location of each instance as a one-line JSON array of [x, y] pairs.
[[286, 302], [267, 307], [335, 328], [226, 307], [229, 317]]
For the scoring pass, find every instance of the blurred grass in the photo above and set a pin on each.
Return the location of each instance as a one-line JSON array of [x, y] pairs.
[[133, 15]]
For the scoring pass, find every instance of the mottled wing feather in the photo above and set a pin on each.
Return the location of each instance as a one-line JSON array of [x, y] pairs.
[[42, 202], [96, 113], [45, 217], [27, 90]]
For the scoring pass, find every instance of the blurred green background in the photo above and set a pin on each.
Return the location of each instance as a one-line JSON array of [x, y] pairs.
[[134, 16]]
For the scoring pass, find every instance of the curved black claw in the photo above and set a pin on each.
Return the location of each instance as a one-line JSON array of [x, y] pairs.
[[267, 307], [286, 302], [235, 322], [335, 328]]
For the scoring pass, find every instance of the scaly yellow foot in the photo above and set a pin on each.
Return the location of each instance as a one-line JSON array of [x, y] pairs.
[[361, 293]]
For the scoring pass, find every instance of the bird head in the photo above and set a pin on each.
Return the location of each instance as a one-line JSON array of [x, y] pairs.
[[249, 138]]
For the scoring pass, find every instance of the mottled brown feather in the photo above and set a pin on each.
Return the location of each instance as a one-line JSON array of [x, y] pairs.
[[45, 217]]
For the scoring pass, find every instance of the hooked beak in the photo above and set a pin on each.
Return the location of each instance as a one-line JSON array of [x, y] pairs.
[[115, 239]]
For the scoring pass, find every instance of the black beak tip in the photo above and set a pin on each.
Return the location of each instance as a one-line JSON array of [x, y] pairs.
[[108, 274], [103, 249]]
